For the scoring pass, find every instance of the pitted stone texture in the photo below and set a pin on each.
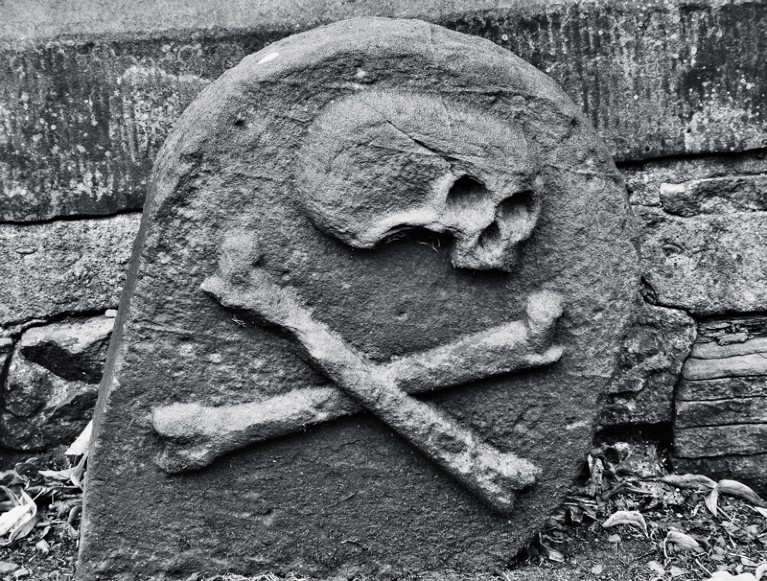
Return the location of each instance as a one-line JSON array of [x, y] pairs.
[[642, 391], [651, 181], [708, 264], [52, 383], [350, 496], [80, 127], [63, 267]]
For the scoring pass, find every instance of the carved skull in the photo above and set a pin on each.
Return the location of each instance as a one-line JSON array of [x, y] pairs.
[[377, 164]]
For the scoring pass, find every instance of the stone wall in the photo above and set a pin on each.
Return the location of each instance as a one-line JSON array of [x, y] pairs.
[[676, 89]]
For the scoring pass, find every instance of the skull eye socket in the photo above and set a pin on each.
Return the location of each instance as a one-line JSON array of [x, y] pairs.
[[466, 192], [519, 206]]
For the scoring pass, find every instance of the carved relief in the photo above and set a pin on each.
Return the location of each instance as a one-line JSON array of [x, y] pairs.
[[197, 434], [482, 191], [385, 269], [377, 164]]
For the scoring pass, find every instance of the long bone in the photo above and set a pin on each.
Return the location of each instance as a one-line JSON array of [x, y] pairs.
[[196, 434], [492, 474]]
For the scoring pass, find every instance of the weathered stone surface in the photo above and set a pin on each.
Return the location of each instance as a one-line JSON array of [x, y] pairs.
[[642, 391], [74, 350], [721, 412], [721, 407], [712, 441], [731, 387], [63, 267], [706, 264], [474, 163], [645, 180], [725, 195], [77, 135], [52, 383]]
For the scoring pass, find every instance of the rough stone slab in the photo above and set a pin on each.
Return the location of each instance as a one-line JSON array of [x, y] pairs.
[[646, 179], [264, 210], [52, 383], [63, 266], [721, 412], [730, 387], [715, 441], [708, 264], [77, 135], [713, 350], [653, 354], [750, 470], [724, 195], [753, 364], [73, 350]]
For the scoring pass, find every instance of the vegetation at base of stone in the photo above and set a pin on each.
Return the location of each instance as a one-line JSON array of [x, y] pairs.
[[627, 519]]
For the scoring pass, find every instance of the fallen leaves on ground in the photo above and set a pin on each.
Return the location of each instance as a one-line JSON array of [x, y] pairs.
[[39, 518], [628, 520], [697, 527]]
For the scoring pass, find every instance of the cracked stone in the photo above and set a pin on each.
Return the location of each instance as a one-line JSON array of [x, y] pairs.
[[52, 383], [642, 391]]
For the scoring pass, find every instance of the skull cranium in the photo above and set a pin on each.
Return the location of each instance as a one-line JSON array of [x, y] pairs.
[[377, 163]]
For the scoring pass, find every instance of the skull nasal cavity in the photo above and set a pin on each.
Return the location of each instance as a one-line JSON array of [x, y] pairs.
[[466, 192]]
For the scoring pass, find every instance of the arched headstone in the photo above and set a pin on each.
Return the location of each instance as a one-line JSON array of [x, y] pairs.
[[382, 278]]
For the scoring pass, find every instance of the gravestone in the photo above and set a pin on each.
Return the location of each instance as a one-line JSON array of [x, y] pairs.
[[382, 278]]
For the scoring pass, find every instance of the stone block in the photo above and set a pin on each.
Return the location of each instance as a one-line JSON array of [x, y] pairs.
[[642, 391], [79, 130], [646, 180], [52, 383], [382, 279], [63, 267], [721, 408], [707, 264]]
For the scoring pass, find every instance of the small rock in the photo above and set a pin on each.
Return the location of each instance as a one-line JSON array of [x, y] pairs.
[[7, 567], [43, 546], [23, 572], [597, 569], [110, 313]]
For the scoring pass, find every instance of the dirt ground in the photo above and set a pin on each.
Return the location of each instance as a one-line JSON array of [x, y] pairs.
[[662, 531]]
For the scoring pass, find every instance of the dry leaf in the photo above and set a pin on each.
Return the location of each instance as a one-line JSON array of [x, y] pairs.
[[656, 567], [739, 490], [58, 475], [726, 576], [760, 510], [19, 521], [681, 541], [551, 553], [627, 517], [80, 446], [689, 481], [712, 500]]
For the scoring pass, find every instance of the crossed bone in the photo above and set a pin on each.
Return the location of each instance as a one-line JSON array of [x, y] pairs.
[[195, 434]]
